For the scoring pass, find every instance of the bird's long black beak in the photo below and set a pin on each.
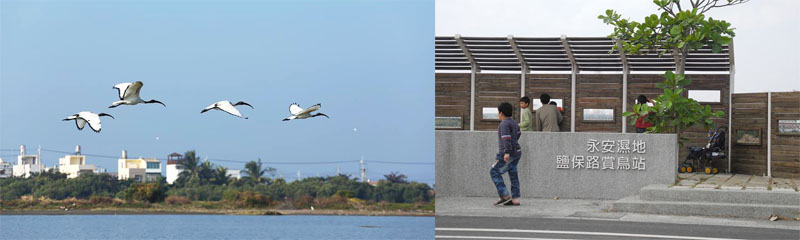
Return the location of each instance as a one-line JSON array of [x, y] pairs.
[[156, 101]]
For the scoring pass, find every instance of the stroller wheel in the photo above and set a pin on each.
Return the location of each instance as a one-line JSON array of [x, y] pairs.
[[689, 169], [714, 170], [682, 169], [707, 170]]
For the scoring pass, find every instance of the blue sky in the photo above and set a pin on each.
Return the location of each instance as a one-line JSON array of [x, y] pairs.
[[370, 64]]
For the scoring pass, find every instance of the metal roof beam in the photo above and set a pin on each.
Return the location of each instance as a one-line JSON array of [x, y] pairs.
[[569, 53], [521, 58], [470, 58]]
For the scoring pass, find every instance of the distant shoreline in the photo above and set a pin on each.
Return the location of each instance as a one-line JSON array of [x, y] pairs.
[[270, 212]]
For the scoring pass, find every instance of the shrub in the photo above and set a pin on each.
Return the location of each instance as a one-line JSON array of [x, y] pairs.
[[344, 194], [248, 199], [177, 200], [100, 200], [150, 192]]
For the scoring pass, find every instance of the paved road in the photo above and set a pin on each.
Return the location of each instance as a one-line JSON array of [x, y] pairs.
[[457, 227]]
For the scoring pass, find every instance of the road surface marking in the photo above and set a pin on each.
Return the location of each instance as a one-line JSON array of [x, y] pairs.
[[503, 238], [577, 233]]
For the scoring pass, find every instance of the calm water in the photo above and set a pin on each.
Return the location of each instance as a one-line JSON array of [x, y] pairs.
[[213, 227]]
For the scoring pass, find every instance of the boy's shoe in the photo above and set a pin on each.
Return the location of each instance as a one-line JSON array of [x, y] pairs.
[[502, 201], [511, 203]]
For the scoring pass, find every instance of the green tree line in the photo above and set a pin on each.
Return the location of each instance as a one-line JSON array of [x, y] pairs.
[[202, 181]]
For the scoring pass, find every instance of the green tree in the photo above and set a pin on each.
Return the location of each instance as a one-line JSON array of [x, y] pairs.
[[205, 172], [396, 177], [255, 171], [190, 165], [221, 175], [676, 31]]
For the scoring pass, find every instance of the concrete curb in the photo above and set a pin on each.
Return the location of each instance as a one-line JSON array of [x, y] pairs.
[[764, 197], [715, 209]]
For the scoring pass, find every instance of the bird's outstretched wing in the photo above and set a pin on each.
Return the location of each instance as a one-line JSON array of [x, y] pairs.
[[226, 106], [92, 119], [243, 103], [312, 108], [212, 106], [80, 123], [295, 109], [133, 89], [121, 88]]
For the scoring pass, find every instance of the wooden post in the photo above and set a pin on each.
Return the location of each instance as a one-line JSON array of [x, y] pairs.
[[574, 73], [732, 73], [472, 100], [769, 134]]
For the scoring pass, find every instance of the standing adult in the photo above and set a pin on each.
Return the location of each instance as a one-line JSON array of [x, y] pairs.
[[547, 117]]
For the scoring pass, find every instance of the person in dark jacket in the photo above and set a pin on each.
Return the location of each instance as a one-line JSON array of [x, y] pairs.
[[547, 116], [508, 156]]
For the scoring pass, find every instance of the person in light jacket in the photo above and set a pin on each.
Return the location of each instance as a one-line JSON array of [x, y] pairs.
[[525, 114]]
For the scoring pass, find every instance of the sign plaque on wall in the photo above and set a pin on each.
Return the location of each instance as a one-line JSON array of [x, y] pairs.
[[789, 127]]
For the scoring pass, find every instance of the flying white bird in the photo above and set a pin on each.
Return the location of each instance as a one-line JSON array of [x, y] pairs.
[[129, 94], [84, 117], [300, 113], [227, 107]]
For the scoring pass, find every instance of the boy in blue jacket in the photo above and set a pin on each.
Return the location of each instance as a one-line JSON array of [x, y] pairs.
[[508, 134]]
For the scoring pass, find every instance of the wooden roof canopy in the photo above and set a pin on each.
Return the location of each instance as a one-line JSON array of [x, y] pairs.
[[561, 54]]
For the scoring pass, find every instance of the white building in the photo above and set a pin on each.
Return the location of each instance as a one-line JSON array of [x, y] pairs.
[[6, 170], [75, 165], [174, 168], [237, 174], [139, 169], [27, 164]]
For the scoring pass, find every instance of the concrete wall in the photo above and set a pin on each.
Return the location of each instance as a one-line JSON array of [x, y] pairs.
[[463, 160]]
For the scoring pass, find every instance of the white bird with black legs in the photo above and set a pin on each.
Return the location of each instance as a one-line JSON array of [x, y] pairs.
[[129, 94], [82, 118], [300, 113], [227, 107]]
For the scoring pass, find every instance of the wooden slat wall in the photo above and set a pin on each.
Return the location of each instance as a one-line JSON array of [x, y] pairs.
[[452, 96], [594, 91], [558, 86], [598, 91], [698, 136], [749, 112], [785, 148], [491, 90]]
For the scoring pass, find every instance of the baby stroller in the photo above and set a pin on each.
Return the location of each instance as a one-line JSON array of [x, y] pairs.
[[703, 157]]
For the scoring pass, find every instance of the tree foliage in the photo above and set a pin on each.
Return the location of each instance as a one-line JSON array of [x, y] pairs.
[[676, 31], [203, 181], [54, 185], [394, 177], [671, 111], [255, 171]]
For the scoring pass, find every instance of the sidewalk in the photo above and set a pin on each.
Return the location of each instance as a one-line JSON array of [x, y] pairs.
[[719, 195], [583, 209], [734, 182]]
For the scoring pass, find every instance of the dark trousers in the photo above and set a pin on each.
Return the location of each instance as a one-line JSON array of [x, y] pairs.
[[501, 167]]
